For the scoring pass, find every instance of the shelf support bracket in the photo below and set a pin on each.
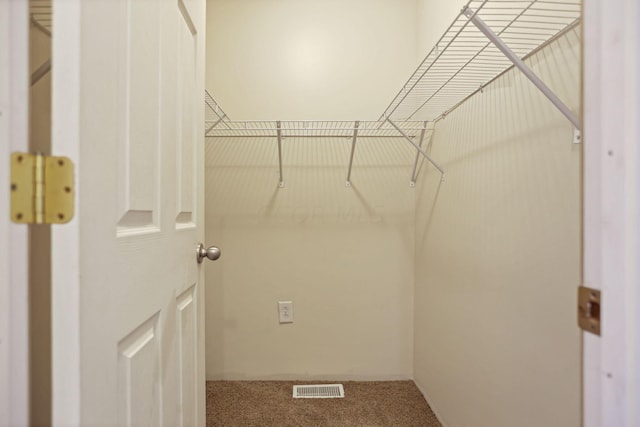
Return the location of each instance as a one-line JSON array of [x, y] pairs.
[[215, 124], [279, 127], [420, 149], [506, 50], [356, 125], [414, 174]]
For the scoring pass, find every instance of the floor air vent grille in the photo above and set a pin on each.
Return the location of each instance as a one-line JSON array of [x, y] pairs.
[[320, 391]]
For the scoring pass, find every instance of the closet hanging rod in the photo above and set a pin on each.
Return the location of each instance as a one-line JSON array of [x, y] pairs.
[[506, 50]]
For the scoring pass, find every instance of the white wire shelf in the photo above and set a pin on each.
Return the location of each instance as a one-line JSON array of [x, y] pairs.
[[41, 16], [487, 38], [312, 129], [351, 131], [214, 116], [464, 59]]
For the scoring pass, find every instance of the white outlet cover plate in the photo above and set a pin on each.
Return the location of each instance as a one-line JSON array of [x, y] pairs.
[[285, 311]]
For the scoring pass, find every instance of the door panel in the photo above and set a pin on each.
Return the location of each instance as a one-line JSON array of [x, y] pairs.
[[187, 339], [140, 191], [139, 373], [139, 106], [188, 129]]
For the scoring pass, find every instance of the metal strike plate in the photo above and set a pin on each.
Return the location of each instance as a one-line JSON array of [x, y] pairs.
[[589, 305], [41, 189]]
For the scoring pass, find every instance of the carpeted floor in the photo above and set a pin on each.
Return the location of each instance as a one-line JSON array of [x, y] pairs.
[[270, 404]]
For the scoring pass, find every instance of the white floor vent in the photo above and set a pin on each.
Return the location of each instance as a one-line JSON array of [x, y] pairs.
[[320, 391]]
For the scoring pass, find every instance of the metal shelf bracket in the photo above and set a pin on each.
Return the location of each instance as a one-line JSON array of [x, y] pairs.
[[414, 174], [224, 116], [506, 51], [577, 136], [419, 148], [279, 128], [356, 125]]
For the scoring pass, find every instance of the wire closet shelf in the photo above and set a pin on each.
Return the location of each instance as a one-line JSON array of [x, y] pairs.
[[41, 16], [41, 12], [487, 38], [465, 59], [309, 129]]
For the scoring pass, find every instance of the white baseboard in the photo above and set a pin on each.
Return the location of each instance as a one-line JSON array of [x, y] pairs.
[[430, 403], [231, 376]]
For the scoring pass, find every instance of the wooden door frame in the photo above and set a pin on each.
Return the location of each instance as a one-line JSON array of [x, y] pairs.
[[611, 112], [14, 275]]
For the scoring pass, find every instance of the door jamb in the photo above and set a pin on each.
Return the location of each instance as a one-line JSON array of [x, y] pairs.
[[14, 274], [611, 242]]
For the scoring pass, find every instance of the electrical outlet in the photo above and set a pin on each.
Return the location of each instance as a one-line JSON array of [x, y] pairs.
[[285, 311]]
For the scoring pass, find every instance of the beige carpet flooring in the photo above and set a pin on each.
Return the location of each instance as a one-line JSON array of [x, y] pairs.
[[270, 404]]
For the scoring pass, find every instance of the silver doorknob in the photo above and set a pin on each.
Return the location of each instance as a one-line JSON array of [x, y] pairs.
[[212, 252]]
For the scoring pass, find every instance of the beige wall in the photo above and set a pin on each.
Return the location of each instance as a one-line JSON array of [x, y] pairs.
[[466, 286], [344, 256], [434, 17], [308, 59], [498, 255]]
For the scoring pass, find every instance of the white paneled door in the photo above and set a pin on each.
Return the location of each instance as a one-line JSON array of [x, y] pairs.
[[128, 85]]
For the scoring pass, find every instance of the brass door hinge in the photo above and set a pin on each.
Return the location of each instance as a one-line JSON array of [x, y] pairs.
[[42, 189], [589, 306]]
